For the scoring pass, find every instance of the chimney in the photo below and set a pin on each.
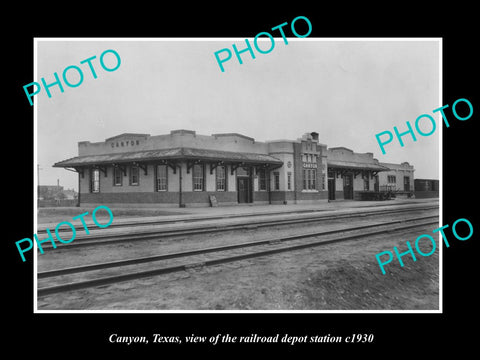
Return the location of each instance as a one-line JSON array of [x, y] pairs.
[[58, 183], [314, 136]]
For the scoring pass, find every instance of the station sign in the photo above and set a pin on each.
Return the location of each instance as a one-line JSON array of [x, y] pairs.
[[310, 165]]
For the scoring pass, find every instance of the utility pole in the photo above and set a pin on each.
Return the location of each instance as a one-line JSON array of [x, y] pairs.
[[38, 177], [38, 181]]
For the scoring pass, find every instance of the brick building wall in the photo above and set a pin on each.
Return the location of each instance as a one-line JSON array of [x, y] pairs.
[[321, 185], [399, 172], [291, 159]]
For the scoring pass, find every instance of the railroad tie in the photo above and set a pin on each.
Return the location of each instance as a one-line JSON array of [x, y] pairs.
[[274, 242], [195, 266]]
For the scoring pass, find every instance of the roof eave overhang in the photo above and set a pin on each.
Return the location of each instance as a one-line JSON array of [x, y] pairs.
[[166, 158], [358, 168]]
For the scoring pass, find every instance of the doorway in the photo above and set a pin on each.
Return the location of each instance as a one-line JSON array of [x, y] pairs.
[[406, 183], [331, 189], [348, 187], [243, 189]]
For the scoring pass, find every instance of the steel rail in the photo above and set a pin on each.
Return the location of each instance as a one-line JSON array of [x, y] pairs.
[[177, 268], [107, 239], [105, 265], [228, 216]]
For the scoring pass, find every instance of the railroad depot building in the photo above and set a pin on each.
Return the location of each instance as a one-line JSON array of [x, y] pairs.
[[187, 169]]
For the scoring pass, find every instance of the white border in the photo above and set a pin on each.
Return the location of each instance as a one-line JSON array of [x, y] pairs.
[[439, 311], [35, 179], [440, 178]]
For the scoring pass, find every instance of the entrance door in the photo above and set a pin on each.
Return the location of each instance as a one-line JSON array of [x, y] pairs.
[[375, 184], [406, 183], [331, 189], [347, 187], [243, 187]]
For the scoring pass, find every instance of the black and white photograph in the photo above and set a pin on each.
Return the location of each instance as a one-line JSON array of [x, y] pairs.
[[248, 186], [225, 179]]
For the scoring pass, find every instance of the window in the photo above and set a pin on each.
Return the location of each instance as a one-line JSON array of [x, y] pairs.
[[134, 175], [391, 179], [262, 180], [162, 176], [117, 176], [276, 176], [95, 181], [313, 179], [197, 177], [289, 181], [309, 158], [220, 178], [309, 179], [366, 183]]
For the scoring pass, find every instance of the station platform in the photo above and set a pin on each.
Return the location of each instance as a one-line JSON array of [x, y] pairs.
[[49, 217]]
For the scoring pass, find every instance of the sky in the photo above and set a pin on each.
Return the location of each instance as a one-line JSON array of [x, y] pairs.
[[346, 90]]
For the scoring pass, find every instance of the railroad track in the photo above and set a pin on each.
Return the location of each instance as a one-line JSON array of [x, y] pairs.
[[269, 247], [227, 216], [105, 238]]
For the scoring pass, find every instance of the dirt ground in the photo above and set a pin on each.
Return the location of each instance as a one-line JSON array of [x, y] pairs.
[[342, 276]]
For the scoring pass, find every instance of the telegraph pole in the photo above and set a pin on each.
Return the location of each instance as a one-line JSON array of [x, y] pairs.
[[38, 176], [38, 179]]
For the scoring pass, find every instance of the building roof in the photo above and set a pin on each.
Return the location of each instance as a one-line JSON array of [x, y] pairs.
[[127, 134], [234, 135], [340, 148], [168, 154], [356, 165], [405, 166]]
